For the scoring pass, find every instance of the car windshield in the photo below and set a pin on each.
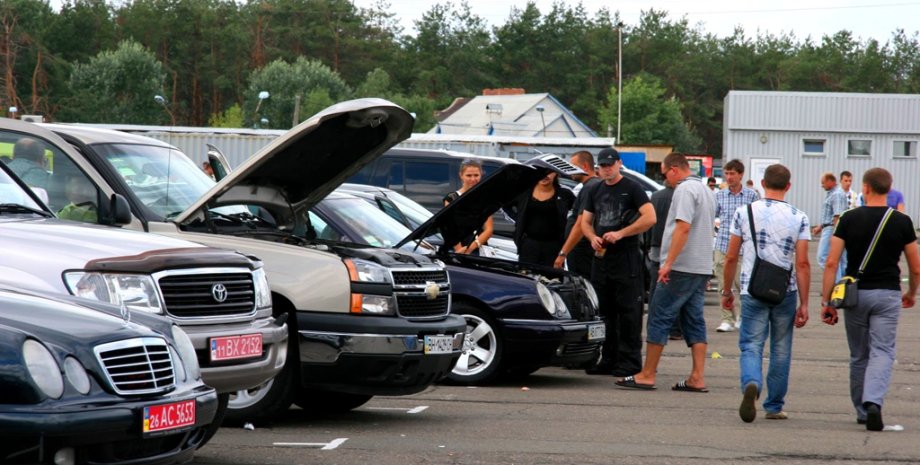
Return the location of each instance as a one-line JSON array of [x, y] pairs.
[[365, 224], [416, 213], [13, 198], [163, 179]]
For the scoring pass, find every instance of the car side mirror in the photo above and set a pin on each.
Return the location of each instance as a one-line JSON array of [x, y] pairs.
[[119, 213]]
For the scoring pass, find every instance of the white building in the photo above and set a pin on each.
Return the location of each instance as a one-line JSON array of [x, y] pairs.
[[513, 114], [816, 132]]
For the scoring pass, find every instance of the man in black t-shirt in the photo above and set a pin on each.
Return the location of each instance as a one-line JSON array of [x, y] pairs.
[[577, 252], [872, 324], [615, 212]]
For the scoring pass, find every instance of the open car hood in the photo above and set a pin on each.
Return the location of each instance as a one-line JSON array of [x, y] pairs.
[[306, 163], [472, 209]]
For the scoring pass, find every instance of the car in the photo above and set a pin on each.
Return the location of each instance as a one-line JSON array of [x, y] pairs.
[[87, 382], [426, 176], [520, 317], [411, 214], [359, 317], [220, 297]]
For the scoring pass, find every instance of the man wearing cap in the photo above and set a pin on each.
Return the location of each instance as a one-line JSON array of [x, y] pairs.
[[615, 211]]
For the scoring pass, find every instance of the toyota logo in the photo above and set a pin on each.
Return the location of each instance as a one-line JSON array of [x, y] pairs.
[[219, 292]]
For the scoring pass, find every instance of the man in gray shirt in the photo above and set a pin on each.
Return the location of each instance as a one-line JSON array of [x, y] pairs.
[[686, 249]]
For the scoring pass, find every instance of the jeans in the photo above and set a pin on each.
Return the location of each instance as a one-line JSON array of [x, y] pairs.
[[758, 319], [681, 297], [824, 247], [872, 327]]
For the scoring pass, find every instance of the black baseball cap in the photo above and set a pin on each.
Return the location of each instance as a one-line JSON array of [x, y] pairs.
[[608, 156]]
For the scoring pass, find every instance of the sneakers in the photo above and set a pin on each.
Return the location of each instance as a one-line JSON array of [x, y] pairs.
[[748, 411], [873, 417], [725, 327], [738, 323], [777, 415]]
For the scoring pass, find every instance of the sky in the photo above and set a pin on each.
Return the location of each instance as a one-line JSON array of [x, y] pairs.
[[864, 18]]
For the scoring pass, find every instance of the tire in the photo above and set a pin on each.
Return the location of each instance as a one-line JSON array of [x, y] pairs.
[[481, 359], [265, 401], [211, 430], [314, 402]]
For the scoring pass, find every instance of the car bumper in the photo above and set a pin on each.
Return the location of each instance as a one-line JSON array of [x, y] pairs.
[[102, 431], [548, 342], [374, 355], [233, 375]]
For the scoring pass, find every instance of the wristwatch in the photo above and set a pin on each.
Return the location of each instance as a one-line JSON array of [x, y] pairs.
[[724, 294], [562, 254]]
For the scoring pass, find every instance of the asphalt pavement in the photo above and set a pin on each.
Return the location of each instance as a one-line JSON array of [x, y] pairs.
[[560, 416]]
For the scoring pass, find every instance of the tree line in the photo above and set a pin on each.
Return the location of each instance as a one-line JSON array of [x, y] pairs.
[[103, 61]]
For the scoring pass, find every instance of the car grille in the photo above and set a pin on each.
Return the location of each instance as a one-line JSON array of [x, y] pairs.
[[579, 348], [137, 366], [196, 295], [411, 291]]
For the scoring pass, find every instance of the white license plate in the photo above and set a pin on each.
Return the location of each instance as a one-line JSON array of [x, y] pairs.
[[596, 331], [236, 347], [439, 344], [169, 416]]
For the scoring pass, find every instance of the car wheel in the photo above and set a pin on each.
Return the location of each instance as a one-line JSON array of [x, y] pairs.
[[314, 402], [481, 356], [211, 430], [265, 401]]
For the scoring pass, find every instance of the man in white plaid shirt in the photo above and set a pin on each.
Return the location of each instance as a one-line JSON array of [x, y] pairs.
[[727, 201], [835, 203]]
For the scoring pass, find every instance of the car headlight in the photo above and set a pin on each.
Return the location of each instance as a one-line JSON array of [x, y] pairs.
[[43, 368], [134, 291], [562, 310], [76, 375], [592, 294], [546, 298], [263, 291], [186, 352], [367, 272]]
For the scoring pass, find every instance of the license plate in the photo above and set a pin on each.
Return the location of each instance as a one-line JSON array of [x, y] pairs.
[[439, 344], [236, 347], [596, 331], [169, 416]]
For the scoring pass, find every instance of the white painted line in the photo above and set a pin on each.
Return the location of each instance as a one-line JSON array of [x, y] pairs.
[[418, 409], [320, 445]]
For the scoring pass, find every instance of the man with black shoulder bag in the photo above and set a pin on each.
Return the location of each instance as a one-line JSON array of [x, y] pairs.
[[873, 236], [774, 238]]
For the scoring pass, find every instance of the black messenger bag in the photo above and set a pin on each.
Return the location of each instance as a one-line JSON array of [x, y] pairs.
[[768, 282]]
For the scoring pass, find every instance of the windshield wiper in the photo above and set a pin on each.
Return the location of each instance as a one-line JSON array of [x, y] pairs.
[[17, 208]]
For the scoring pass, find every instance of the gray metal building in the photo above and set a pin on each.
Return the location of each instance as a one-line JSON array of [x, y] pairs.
[[816, 132]]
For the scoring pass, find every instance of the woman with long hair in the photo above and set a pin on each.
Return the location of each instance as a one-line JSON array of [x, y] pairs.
[[470, 175], [539, 220]]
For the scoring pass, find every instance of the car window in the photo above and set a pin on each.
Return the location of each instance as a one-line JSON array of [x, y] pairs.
[[396, 180], [392, 210], [364, 222], [70, 193], [427, 182], [323, 230]]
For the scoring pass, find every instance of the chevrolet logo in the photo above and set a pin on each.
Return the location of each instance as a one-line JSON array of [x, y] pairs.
[[432, 290]]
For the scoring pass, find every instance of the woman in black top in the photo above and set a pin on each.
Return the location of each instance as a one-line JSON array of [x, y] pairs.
[[539, 221], [470, 174]]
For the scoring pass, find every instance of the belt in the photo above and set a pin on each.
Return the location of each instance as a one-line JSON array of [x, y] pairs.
[[826, 225]]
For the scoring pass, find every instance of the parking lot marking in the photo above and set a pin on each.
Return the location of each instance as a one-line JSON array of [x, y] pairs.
[[418, 409], [321, 445]]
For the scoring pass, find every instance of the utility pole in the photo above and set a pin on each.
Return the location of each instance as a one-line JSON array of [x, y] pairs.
[[619, 80]]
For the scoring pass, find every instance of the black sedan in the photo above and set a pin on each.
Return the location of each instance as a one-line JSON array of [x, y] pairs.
[[519, 317], [84, 382]]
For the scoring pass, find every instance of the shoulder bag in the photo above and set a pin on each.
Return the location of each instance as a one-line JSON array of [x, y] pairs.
[[768, 282], [845, 292]]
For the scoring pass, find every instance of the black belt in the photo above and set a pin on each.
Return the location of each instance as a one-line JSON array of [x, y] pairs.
[[826, 225]]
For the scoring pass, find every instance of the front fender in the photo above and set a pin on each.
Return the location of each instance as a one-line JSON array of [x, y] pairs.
[[506, 295]]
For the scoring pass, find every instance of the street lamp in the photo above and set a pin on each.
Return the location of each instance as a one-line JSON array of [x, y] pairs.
[[619, 79], [262, 96], [162, 101]]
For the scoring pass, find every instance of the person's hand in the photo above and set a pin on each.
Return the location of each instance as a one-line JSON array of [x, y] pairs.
[[907, 300], [815, 230], [597, 243], [829, 315], [801, 316], [728, 301], [613, 236], [664, 273], [560, 262]]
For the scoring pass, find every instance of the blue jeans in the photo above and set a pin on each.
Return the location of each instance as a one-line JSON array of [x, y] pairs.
[[824, 248], [757, 320], [872, 327], [682, 296]]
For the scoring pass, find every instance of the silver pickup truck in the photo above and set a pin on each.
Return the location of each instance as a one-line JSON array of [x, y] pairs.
[[219, 297]]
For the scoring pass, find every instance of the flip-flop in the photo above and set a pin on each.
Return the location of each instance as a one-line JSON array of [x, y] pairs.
[[630, 383], [683, 386]]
